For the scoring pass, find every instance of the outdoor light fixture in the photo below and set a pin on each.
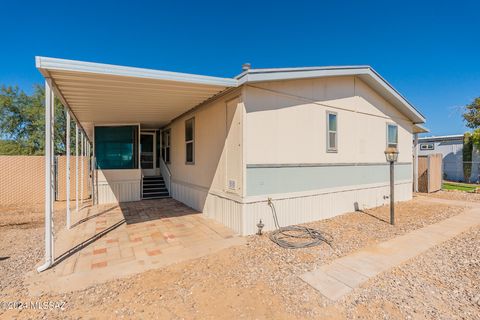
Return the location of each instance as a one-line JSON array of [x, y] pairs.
[[260, 226], [391, 154]]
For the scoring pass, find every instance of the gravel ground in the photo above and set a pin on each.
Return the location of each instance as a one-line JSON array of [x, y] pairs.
[[443, 283], [260, 280], [22, 242], [456, 195]]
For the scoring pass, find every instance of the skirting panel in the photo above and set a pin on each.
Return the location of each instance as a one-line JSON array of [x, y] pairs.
[[192, 196], [226, 211], [118, 191], [297, 210]]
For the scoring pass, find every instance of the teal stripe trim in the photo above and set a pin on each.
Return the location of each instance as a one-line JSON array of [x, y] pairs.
[[275, 180]]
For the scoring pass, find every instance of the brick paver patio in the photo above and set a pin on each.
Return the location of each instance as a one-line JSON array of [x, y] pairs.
[[110, 241]]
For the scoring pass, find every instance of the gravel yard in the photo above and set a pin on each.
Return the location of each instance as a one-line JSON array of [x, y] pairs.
[[260, 280], [21, 244], [456, 195]]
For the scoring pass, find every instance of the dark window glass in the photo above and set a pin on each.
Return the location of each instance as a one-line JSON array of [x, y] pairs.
[[146, 151], [157, 137], [190, 152], [190, 140], [116, 147]]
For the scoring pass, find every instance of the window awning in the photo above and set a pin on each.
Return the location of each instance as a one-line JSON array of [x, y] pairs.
[[107, 94]]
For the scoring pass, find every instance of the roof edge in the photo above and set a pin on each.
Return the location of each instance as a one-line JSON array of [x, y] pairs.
[[56, 64]]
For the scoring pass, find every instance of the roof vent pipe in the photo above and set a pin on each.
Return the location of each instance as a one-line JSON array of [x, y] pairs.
[[246, 66]]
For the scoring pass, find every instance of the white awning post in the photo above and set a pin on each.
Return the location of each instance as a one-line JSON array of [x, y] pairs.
[[76, 167], [68, 168], [49, 176], [415, 162], [82, 151]]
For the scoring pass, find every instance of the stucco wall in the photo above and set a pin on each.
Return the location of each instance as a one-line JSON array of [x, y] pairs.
[[22, 179], [62, 181]]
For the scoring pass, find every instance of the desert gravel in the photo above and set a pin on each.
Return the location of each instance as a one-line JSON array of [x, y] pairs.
[[260, 280], [443, 283]]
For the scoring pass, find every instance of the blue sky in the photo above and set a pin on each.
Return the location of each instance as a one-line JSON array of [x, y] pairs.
[[428, 50]]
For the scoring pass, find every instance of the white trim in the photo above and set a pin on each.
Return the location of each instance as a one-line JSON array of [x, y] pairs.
[[49, 175], [192, 119], [328, 131], [67, 127], [366, 73], [56, 64], [393, 125]]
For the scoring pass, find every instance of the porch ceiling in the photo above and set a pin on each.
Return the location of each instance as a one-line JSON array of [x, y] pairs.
[[107, 94]]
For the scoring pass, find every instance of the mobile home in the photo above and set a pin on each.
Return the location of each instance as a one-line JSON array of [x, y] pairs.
[[311, 140]]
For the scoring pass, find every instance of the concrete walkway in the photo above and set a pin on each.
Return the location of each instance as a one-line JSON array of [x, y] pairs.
[[340, 277]]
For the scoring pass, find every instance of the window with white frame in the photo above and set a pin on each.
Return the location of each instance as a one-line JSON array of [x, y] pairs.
[[392, 135], [166, 145], [332, 139], [190, 141], [427, 146]]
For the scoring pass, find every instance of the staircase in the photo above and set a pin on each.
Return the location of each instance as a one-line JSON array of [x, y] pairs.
[[154, 188]]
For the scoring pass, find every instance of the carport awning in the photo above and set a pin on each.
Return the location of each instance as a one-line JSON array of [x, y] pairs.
[[107, 94]]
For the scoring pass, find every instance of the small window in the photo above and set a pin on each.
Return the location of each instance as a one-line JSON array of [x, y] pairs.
[[427, 146], [332, 132], [392, 135], [190, 141], [166, 146]]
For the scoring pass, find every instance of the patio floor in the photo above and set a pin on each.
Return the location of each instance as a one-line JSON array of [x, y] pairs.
[[111, 241]]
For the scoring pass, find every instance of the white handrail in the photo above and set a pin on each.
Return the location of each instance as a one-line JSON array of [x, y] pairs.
[[166, 174]]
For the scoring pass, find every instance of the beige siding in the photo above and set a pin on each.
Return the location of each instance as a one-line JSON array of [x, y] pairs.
[[218, 132], [285, 122], [118, 185]]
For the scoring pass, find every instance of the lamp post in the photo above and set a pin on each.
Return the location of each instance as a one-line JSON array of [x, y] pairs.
[[391, 154]]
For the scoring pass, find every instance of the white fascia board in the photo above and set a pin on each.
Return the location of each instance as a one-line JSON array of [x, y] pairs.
[[300, 73], [418, 128], [45, 63], [416, 116]]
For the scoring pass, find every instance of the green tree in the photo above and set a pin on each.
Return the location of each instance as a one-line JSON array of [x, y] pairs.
[[22, 122], [467, 155], [471, 116]]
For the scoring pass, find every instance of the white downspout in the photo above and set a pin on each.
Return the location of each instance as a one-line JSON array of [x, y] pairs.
[[76, 167], [68, 170], [49, 178]]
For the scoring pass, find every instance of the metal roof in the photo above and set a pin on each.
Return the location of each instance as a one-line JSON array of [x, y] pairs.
[[453, 137], [109, 94]]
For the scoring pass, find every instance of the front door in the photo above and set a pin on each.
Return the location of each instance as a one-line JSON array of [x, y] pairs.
[[147, 153]]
